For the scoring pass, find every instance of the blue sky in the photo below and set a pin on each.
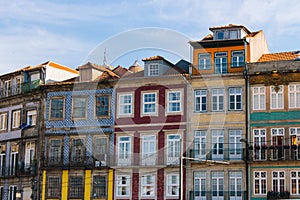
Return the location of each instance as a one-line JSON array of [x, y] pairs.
[[68, 31]]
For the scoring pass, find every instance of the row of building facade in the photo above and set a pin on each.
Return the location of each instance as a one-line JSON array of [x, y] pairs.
[[225, 126]]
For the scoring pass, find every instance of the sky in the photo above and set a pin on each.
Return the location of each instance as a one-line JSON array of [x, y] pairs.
[[73, 32]]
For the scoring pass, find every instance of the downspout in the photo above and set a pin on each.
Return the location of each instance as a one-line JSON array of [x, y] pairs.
[[246, 119]]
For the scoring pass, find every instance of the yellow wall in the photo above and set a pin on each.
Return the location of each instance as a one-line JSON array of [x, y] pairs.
[[65, 184], [44, 185], [87, 185], [110, 184]]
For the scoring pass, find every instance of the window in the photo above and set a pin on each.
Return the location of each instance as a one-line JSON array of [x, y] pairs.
[[278, 181], [12, 192], [217, 99], [100, 151], [3, 121], [123, 185], [235, 98], [220, 35], [79, 107], [147, 185], [237, 59], [124, 151], [53, 186], [233, 34], [295, 182], [13, 159], [77, 150], [31, 117], [149, 103], [294, 96], [16, 119], [149, 150], [153, 70], [277, 97], [200, 185], [2, 160], [172, 185], [174, 101], [217, 144], [259, 138], [173, 151], [200, 144], [57, 108], [221, 63], [29, 153], [125, 104], [295, 143], [259, 98], [99, 186], [217, 181], [76, 187], [235, 185], [200, 100], [7, 87], [277, 142], [55, 151], [235, 146], [102, 106], [204, 61]]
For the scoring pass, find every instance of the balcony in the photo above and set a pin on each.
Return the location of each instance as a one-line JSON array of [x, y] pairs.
[[274, 153], [217, 195], [30, 86], [10, 91], [217, 154]]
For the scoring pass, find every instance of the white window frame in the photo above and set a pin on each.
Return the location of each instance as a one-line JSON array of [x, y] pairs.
[[235, 185], [124, 150], [149, 102], [13, 161], [295, 179], [100, 151], [217, 99], [147, 185], [200, 143], [200, 185], [200, 100], [125, 105], [217, 138], [259, 139], [149, 150], [204, 61], [217, 184], [295, 143], [123, 185], [172, 187], [278, 181], [221, 62], [2, 162], [235, 100], [240, 58], [294, 96], [83, 101], [174, 103], [173, 148], [16, 119], [12, 192], [259, 98], [260, 179], [235, 145], [276, 98], [29, 153], [31, 117], [153, 69], [3, 121]]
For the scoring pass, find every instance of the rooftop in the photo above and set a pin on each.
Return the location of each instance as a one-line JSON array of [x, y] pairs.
[[292, 55]]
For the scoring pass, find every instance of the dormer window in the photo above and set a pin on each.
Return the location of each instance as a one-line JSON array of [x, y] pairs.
[[233, 34], [220, 35], [153, 70]]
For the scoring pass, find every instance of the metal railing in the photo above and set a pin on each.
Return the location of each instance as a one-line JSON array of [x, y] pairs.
[[217, 195]]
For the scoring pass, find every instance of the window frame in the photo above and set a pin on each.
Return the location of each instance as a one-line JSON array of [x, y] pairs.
[[294, 90], [100, 152], [155, 103], [217, 136], [62, 111], [217, 181], [57, 190], [76, 188], [200, 103], [76, 108], [108, 106], [148, 142], [75, 157], [204, 61], [153, 69], [30, 147], [235, 94], [220, 103], [278, 102], [172, 102], [261, 139], [200, 140], [54, 159], [295, 178], [126, 158], [147, 186], [173, 148], [31, 117], [260, 102], [221, 62], [15, 119], [200, 184], [170, 185], [98, 187], [122, 105], [235, 147], [239, 55], [3, 121], [127, 185]]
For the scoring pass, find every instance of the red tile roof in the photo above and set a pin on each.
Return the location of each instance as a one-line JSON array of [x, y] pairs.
[[279, 56]]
